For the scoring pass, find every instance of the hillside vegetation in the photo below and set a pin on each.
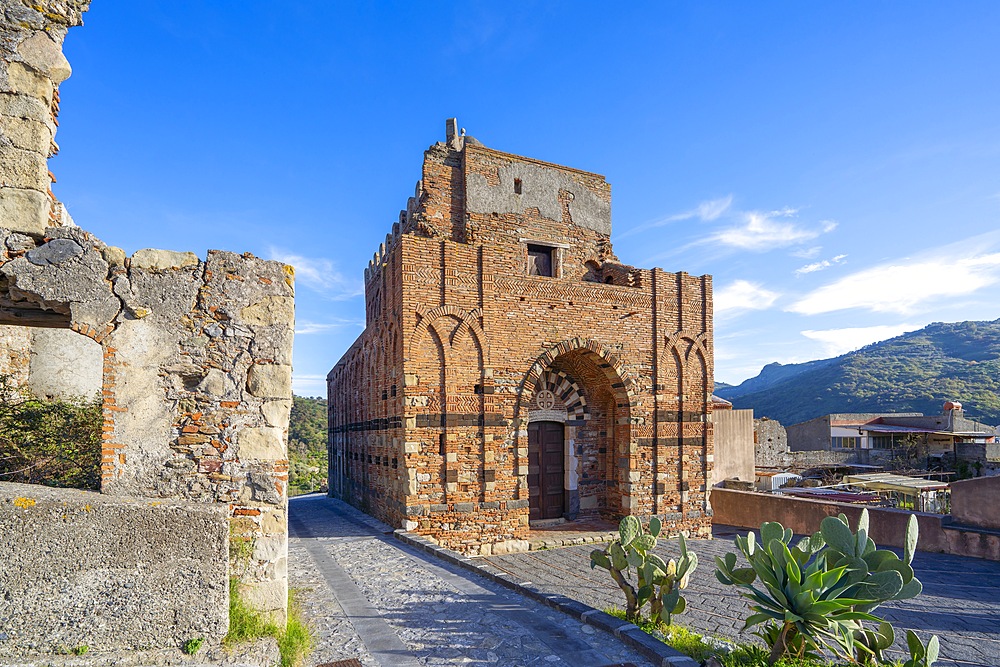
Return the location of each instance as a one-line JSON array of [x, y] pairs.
[[306, 445], [915, 372]]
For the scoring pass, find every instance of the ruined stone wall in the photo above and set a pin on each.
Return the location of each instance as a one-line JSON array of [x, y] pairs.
[[32, 66], [770, 444], [449, 292], [195, 353], [196, 374]]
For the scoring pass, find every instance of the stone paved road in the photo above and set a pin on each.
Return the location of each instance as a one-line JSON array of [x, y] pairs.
[[370, 597], [960, 602]]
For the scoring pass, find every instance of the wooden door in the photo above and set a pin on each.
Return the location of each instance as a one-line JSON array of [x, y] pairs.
[[545, 470]]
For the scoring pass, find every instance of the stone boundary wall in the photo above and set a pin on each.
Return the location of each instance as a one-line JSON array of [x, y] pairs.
[[745, 509], [86, 569]]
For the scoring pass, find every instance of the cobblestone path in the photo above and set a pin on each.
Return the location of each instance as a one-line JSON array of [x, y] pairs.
[[370, 597], [960, 602]]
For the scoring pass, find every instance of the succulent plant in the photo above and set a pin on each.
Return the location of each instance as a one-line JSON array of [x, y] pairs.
[[657, 582], [818, 593]]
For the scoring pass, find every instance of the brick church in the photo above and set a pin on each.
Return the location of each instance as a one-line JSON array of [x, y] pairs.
[[512, 371]]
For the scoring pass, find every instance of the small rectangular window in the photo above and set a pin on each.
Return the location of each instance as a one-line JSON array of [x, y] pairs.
[[845, 442], [539, 260], [517, 186]]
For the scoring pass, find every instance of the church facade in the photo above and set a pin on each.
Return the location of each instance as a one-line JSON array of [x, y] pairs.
[[512, 371]]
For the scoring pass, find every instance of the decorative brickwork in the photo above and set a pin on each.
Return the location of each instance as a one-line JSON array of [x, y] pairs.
[[497, 302]]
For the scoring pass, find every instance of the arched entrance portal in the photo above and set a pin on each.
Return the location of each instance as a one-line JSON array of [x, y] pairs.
[[578, 404], [546, 471]]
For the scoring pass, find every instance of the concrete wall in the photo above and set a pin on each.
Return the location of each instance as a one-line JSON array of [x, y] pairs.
[[734, 448], [85, 569], [745, 509], [976, 502], [770, 444], [812, 435]]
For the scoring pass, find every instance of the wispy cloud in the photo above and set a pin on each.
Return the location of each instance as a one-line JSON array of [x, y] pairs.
[[903, 286], [706, 211], [766, 230], [742, 295], [819, 266], [309, 385], [807, 253], [838, 341], [319, 274], [306, 328]]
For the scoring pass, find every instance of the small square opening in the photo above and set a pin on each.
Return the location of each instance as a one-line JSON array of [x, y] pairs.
[[539, 260]]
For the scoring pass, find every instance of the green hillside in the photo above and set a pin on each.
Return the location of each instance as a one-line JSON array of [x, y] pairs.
[[915, 372], [306, 445]]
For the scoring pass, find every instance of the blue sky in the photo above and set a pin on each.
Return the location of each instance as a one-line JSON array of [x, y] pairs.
[[835, 166]]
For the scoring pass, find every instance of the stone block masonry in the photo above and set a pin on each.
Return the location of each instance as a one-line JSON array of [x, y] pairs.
[[194, 373], [513, 370]]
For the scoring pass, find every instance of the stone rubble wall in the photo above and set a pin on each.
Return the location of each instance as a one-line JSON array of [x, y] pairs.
[[195, 372], [196, 375], [32, 66]]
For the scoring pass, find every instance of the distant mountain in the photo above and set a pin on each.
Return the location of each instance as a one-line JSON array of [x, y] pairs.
[[915, 372], [769, 376]]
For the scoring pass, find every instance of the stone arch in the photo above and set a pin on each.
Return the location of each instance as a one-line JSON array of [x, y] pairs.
[[598, 391], [568, 391], [611, 366]]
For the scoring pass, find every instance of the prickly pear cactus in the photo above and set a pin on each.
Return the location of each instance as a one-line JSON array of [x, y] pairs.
[[657, 582]]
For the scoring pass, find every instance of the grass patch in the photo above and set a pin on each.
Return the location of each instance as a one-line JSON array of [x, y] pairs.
[[246, 623], [731, 654]]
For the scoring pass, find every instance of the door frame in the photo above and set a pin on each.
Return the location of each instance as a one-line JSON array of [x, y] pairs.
[[570, 460]]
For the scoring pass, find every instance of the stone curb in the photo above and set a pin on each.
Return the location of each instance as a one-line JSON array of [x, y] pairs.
[[651, 647]]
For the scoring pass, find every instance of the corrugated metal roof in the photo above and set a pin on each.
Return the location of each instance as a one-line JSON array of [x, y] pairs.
[[889, 482]]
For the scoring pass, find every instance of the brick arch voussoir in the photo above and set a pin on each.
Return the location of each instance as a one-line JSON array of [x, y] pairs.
[[612, 367]]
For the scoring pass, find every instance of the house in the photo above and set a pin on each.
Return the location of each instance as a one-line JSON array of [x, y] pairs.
[[865, 437], [512, 371]]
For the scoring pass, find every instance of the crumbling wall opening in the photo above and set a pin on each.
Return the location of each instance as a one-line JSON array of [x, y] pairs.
[[51, 400]]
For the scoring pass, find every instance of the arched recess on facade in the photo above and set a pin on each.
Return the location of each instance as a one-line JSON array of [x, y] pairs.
[[456, 324], [589, 388], [690, 353]]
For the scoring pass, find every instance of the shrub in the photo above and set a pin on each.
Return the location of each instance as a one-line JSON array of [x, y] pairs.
[[55, 442], [246, 623]]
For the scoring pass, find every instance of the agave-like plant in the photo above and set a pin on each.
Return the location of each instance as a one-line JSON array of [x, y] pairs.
[[818, 593], [658, 582]]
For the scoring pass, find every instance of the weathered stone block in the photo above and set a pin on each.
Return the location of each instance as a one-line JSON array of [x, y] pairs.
[[276, 412], [46, 56], [270, 311], [26, 81], [29, 135], [160, 260], [262, 443], [23, 169], [270, 380], [24, 210]]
